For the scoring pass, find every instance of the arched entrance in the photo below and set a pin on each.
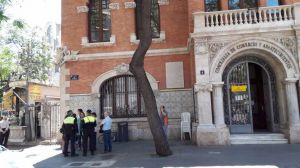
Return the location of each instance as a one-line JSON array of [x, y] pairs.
[[121, 96], [250, 99]]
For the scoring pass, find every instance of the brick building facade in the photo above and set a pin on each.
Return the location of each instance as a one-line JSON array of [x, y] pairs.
[[185, 64]]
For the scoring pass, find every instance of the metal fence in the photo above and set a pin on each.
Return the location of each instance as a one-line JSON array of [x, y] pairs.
[[50, 120]]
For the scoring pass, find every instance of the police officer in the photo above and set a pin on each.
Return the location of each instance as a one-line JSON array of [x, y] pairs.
[[88, 126], [69, 129]]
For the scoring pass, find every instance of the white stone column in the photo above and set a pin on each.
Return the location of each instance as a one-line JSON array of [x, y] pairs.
[[204, 104], [293, 110], [207, 133], [218, 105], [292, 101]]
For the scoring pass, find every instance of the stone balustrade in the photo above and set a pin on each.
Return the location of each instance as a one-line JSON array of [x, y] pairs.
[[245, 18]]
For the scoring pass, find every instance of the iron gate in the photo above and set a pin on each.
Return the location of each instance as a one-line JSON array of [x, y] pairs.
[[237, 96]]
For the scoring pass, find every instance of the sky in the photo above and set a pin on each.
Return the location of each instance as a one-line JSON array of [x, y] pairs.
[[36, 12]]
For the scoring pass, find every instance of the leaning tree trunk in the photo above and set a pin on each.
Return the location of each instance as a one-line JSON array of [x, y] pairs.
[[137, 68]]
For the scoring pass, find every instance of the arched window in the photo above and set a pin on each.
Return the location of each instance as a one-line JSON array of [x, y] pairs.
[[212, 5], [274, 3], [155, 18], [99, 21], [242, 4], [121, 96]]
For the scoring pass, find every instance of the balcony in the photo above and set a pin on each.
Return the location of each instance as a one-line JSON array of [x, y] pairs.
[[247, 20]]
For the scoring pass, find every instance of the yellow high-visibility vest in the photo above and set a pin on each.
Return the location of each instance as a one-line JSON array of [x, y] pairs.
[[89, 119], [69, 120]]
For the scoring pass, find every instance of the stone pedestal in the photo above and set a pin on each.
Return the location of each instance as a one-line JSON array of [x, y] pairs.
[[294, 134], [210, 135], [207, 132], [17, 134]]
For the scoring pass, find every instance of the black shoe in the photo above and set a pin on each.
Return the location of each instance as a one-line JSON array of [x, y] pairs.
[[66, 155], [84, 154], [74, 155], [92, 153]]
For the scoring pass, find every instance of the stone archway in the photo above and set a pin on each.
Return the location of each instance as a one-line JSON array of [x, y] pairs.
[[285, 67], [270, 49], [121, 69]]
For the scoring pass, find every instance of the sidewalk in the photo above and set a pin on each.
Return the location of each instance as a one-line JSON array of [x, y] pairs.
[[142, 154]]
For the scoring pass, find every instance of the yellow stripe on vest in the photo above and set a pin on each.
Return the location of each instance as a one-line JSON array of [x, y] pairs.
[[89, 119], [69, 120]]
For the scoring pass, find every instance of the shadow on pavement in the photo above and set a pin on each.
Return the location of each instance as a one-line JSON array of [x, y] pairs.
[[142, 154]]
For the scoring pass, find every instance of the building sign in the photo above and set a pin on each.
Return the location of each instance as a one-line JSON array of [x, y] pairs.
[[8, 100], [74, 77], [254, 44], [238, 88], [35, 92]]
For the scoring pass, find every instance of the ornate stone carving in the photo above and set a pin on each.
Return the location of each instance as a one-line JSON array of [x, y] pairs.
[[122, 68], [289, 43], [82, 9], [163, 2], [200, 46], [203, 87], [129, 5], [214, 48], [114, 6], [63, 54]]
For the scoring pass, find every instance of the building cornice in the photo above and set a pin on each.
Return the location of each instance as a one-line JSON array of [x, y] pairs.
[[129, 54]]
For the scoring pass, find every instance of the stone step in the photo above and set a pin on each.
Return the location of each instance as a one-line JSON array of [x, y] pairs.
[[258, 139]]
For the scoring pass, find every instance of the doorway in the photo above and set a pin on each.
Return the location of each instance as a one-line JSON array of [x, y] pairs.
[[249, 97]]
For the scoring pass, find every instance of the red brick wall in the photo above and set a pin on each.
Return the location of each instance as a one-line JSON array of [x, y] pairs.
[[173, 22], [88, 71]]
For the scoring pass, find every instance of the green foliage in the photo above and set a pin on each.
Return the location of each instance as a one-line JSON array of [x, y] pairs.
[[24, 53], [32, 52], [3, 4], [6, 67]]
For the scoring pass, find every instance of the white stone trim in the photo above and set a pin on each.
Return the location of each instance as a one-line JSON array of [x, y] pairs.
[[103, 77], [115, 6], [82, 9], [129, 54], [163, 2], [220, 62], [161, 39], [175, 90], [85, 42], [129, 5]]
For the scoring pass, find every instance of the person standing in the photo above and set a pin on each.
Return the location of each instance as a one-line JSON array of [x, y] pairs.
[[88, 126], [69, 128], [107, 122], [95, 133], [164, 119], [4, 131], [80, 117]]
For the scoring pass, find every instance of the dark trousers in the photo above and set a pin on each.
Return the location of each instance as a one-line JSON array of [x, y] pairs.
[[67, 138], [107, 140], [94, 140], [4, 138], [88, 137], [79, 140]]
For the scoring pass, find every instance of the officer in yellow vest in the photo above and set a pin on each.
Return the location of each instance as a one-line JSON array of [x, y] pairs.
[[88, 126], [69, 129]]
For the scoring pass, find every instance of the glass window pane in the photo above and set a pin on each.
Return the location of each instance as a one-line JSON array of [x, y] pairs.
[[121, 96], [250, 4], [211, 5], [99, 21], [273, 3], [234, 4]]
